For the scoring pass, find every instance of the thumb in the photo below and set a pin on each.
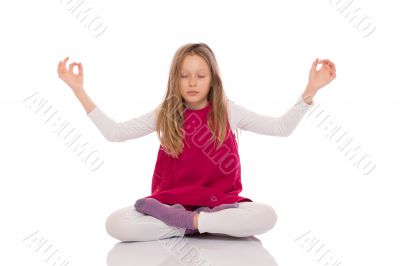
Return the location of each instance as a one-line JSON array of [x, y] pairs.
[[314, 64]]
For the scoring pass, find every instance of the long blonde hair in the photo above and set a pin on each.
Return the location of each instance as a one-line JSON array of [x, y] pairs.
[[169, 123]]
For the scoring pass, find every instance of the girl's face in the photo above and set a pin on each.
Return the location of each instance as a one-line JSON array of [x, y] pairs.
[[195, 78]]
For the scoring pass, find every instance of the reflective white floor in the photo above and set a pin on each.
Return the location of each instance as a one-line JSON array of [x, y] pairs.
[[205, 249], [65, 246]]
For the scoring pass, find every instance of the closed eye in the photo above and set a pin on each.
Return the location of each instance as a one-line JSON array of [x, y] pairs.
[[187, 76]]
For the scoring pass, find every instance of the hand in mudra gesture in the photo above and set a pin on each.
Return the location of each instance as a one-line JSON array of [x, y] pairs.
[[319, 78], [75, 81]]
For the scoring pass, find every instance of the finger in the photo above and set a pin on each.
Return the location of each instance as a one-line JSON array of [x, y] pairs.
[[332, 74], [328, 68], [80, 68], [61, 68], [65, 61], [328, 63], [71, 67], [332, 65], [64, 65], [314, 64], [324, 62]]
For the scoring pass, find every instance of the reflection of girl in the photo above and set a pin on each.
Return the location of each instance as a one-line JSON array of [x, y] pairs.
[[196, 181]]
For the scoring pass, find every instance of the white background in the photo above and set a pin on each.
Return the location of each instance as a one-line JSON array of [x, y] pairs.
[[264, 50]]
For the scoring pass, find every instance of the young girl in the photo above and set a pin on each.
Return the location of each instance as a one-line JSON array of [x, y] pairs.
[[197, 176]]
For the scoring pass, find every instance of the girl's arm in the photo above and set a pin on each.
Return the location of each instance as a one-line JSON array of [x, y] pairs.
[[122, 131], [111, 130], [284, 125], [85, 100]]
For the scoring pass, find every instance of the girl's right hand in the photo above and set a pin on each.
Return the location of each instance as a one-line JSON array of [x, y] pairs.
[[75, 81]]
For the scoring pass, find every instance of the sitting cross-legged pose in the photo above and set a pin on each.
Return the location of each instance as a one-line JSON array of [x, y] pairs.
[[197, 176]]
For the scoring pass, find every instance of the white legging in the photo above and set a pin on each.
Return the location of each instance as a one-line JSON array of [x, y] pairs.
[[250, 218]]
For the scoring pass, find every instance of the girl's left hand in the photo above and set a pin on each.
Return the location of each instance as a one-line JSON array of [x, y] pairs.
[[320, 78]]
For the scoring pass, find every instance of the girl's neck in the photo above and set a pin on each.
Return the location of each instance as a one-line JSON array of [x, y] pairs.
[[200, 107]]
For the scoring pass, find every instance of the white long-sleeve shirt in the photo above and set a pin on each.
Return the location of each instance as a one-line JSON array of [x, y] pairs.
[[239, 117]]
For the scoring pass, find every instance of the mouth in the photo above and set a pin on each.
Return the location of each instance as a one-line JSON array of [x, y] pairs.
[[192, 92]]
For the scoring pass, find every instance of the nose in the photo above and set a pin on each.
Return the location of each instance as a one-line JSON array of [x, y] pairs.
[[192, 82]]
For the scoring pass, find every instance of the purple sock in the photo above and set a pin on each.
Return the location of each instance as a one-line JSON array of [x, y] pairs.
[[170, 215], [187, 231]]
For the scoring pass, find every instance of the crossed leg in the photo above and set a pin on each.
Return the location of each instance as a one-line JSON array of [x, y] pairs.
[[250, 218]]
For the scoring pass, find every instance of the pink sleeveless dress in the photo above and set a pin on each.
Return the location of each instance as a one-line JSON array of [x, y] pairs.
[[202, 175]]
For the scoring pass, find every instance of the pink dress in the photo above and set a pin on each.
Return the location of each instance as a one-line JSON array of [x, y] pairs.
[[202, 175]]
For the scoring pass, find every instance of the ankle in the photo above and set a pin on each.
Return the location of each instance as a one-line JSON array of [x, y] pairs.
[[196, 220]]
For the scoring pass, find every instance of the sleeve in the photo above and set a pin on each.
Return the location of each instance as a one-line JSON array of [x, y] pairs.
[[122, 131], [282, 126]]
